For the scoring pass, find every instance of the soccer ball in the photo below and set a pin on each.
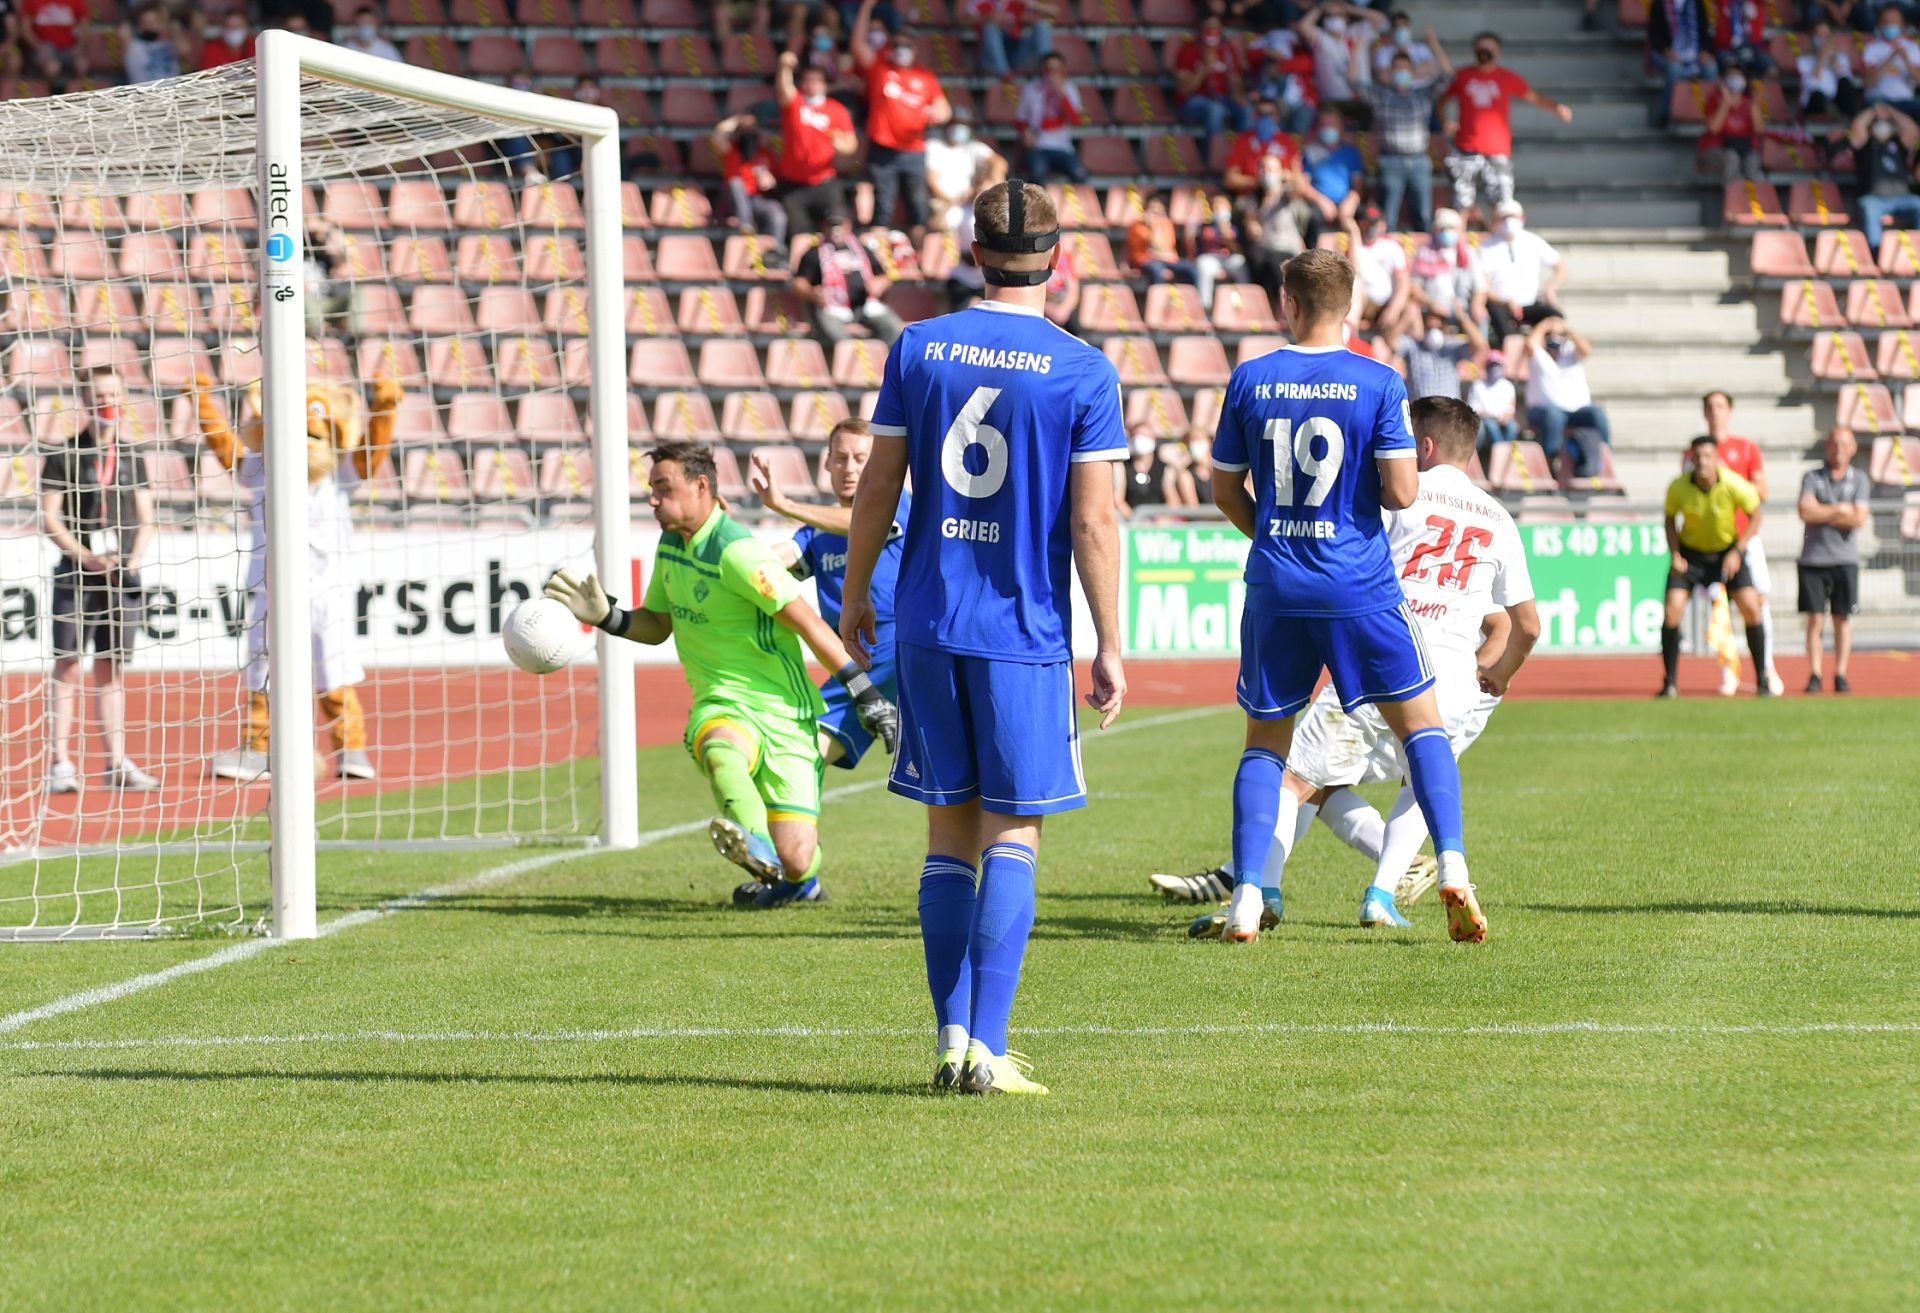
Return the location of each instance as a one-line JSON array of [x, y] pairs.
[[541, 636]]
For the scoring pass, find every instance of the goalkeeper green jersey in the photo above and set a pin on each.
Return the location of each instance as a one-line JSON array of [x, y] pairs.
[[721, 588]]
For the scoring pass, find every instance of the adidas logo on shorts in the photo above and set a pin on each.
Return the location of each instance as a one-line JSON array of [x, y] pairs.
[[913, 772]]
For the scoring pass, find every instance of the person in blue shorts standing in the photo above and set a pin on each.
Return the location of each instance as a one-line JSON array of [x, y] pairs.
[[1328, 439], [1009, 426]]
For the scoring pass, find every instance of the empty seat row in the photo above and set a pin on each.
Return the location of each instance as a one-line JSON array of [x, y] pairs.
[[628, 14], [1871, 303], [1837, 253]]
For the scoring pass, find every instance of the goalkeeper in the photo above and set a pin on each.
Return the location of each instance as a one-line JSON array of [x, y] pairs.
[[737, 619], [345, 444]]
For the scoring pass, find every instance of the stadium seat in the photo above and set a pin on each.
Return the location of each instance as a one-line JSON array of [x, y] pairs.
[[555, 258], [148, 256], [148, 210], [623, 56], [354, 204], [925, 13], [503, 474], [327, 361], [1872, 303], [914, 301], [487, 258], [1141, 104], [636, 262], [709, 311], [394, 357], [143, 419], [14, 433], [1843, 253], [558, 56], [576, 363], [1108, 13], [117, 353], [647, 312], [1899, 255], [683, 259], [608, 13], [681, 207], [1748, 204], [684, 415], [687, 55], [1205, 410], [459, 363], [170, 478], [1077, 205], [547, 417], [1897, 356], [858, 362], [797, 363], [1242, 308], [223, 207], [726, 467], [1519, 467], [688, 105], [479, 13], [551, 205], [1867, 408], [92, 213], [1605, 483], [434, 50], [366, 258], [437, 309], [492, 56], [169, 308], [478, 417], [1137, 360], [1894, 462], [749, 55], [787, 467], [1817, 203], [1001, 104], [1109, 308], [727, 363], [507, 310], [230, 310], [1092, 255], [42, 308], [565, 311], [745, 259], [1106, 155], [415, 203], [419, 260], [526, 362], [566, 475], [633, 207], [19, 480], [752, 417], [661, 362], [1779, 255], [39, 366], [1842, 356], [813, 414], [435, 475], [1160, 410], [939, 256], [1128, 55], [1176, 153], [1175, 308], [1198, 361], [1809, 304]]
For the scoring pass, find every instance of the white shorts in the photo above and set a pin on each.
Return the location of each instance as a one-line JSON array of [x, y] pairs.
[[1332, 749]]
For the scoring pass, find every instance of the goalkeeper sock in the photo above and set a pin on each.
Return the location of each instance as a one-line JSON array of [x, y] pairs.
[[259, 722], [946, 923], [340, 708], [1405, 831], [1256, 810], [813, 867], [1002, 920], [731, 779], [1355, 822]]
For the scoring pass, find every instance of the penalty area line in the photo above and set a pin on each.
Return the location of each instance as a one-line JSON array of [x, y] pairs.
[[487, 879]]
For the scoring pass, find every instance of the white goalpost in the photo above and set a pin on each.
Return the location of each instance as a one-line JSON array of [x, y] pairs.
[[311, 376]]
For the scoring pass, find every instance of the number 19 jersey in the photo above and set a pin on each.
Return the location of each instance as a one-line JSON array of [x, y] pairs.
[[1310, 422], [995, 404]]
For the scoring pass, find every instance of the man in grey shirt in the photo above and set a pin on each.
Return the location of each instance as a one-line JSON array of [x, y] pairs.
[[1833, 503]]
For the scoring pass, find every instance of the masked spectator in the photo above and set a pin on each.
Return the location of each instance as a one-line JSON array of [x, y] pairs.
[[903, 101], [1827, 82], [1259, 142], [1677, 47], [1402, 109], [1739, 36], [50, 30], [1494, 399], [1208, 83], [1013, 33], [814, 133], [838, 283], [1214, 239], [1342, 36], [1481, 163], [234, 43], [1179, 488], [1153, 245], [1844, 15], [1433, 359], [1381, 287], [747, 167], [1200, 456], [1444, 274], [1145, 479], [1833, 505], [1892, 63], [1334, 169], [1278, 220], [1558, 398], [1735, 120], [155, 45], [1884, 141], [1523, 274], [1049, 111], [366, 37], [1422, 52], [1282, 71], [959, 167]]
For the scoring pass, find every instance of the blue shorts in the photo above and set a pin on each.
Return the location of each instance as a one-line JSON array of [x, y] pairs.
[[1000, 731], [840, 719], [1373, 658]]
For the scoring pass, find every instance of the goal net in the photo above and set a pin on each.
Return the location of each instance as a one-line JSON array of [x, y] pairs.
[[313, 369]]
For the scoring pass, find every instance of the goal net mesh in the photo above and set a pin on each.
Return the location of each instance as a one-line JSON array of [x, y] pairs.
[[446, 310]]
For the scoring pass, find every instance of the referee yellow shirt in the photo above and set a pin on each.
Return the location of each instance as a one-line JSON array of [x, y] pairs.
[[1707, 514]]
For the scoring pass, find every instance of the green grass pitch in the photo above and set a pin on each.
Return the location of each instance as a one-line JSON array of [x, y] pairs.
[[429, 1111]]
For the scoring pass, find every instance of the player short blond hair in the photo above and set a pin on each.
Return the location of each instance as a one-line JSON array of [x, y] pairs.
[[1322, 282]]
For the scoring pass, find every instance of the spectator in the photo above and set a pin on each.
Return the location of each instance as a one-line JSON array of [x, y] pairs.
[[1145, 479], [1428, 61], [1523, 273], [1214, 240], [154, 45], [1742, 456], [1826, 75], [1740, 36], [903, 101], [1833, 504], [1402, 108], [50, 29], [1049, 111], [1892, 63], [1342, 37], [1884, 141], [747, 167], [1433, 359], [1735, 120], [1334, 170], [328, 276], [1705, 549], [366, 37], [1282, 71], [1208, 83], [1493, 398], [564, 151], [1445, 272], [1200, 454], [959, 167], [1677, 49], [814, 133], [837, 281], [964, 282], [824, 53], [1027, 24], [1063, 289], [1259, 142], [98, 513], [1845, 15], [1481, 162], [1277, 224], [12, 42], [756, 16], [520, 157], [234, 43], [1381, 286], [1153, 245], [1558, 398], [1179, 488]]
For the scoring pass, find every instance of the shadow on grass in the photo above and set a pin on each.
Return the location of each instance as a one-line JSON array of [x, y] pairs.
[[632, 1079], [1774, 907]]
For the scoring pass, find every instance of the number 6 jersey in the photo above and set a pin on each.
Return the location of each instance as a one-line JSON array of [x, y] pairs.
[[1310, 422], [1460, 557], [996, 404]]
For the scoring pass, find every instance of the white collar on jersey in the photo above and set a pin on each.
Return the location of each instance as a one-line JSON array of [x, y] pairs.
[[1004, 308], [1314, 350]]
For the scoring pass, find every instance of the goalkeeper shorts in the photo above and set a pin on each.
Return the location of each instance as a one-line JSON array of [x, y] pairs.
[[784, 756]]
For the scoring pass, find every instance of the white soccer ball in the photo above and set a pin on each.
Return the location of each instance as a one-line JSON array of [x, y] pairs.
[[541, 636]]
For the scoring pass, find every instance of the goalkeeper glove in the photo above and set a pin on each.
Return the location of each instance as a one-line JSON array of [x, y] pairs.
[[881, 717], [588, 601]]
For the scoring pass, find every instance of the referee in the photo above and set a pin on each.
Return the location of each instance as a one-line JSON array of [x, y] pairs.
[[1709, 547]]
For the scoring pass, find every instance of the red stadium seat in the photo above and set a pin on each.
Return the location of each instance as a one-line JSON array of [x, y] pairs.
[[1809, 304], [417, 13], [1867, 408], [507, 310], [797, 363], [170, 308], [526, 362], [152, 210], [566, 475], [1752, 204], [417, 204], [503, 474], [1107, 155], [565, 312], [1128, 55], [727, 363], [1843, 253], [748, 55], [1817, 203], [327, 361], [483, 205], [788, 470], [633, 207], [391, 358], [681, 207], [551, 205], [419, 260], [1910, 407], [1875, 304], [1899, 255], [223, 207], [623, 57], [1242, 308], [1175, 308], [647, 312], [1842, 356], [1520, 467], [42, 307], [1080, 64], [671, 13], [437, 309], [608, 13], [487, 258], [859, 362], [479, 13], [496, 56], [558, 57], [745, 258], [636, 264], [1779, 255], [92, 213], [1175, 153], [1092, 255], [39, 366], [458, 362], [1198, 361], [478, 417], [661, 363], [354, 204], [1894, 462], [1141, 104], [1077, 205], [117, 353], [813, 414], [688, 105], [913, 302], [1109, 13], [1158, 409], [435, 475], [685, 415], [146, 256], [555, 258], [1109, 308], [688, 55], [752, 417], [1137, 359], [709, 311], [682, 259], [1898, 356], [547, 417], [1167, 13]]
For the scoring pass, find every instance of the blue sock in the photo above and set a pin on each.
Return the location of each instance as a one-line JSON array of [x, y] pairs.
[[1436, 787], [946, 920], [1256, 809], [1001, 921]]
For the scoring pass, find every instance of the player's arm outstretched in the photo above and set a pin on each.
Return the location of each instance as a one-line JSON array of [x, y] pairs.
[[881, 717], [591, 605], [1096, 554], [874, 507], [762, 484]]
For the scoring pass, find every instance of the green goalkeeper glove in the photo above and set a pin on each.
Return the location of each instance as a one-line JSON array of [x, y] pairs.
[[587, 600], [881, 717]]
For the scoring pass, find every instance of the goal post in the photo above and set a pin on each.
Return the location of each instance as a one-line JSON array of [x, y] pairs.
[[473, 312]]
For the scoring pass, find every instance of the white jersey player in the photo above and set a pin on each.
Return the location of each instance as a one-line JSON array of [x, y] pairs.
[[1461, 566]]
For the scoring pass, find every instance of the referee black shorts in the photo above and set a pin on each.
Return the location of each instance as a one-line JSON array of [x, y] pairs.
[[94, 613], [1703, 570], [1833, 588]]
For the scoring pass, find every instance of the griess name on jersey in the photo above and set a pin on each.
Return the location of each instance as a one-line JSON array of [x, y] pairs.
[[965, 353]]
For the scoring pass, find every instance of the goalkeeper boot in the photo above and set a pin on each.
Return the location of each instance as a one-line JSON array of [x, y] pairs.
[[1416, 882], [245, 765], [1005, 1073], [752, 853], [1377, 909], [1466, 923], [1213, 925], [1201, 887], [126, 776], [353, 764], [785, 893]]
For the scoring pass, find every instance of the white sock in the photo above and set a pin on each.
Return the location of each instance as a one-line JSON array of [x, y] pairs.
[[1355, 822], [1766, 627], [1406, 831], [1453, 870], [951, 1038], [1286, 833]]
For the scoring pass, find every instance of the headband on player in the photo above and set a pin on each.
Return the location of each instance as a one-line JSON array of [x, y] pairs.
[[1017, 241]]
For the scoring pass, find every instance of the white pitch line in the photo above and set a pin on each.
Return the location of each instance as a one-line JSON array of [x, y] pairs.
[[1390, 1029], [497, 875]]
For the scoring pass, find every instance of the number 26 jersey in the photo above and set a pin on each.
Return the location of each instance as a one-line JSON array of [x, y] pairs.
[[1310, 422], [996, 405]]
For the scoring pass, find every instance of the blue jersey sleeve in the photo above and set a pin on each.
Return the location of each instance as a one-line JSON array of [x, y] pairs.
[[890, 408], [1230, 450], [803, 543], [1100, 433], [1393, 427]]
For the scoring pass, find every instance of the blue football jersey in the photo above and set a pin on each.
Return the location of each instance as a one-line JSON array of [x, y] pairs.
[[995, 403], [1310, 422], [823, 558]]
